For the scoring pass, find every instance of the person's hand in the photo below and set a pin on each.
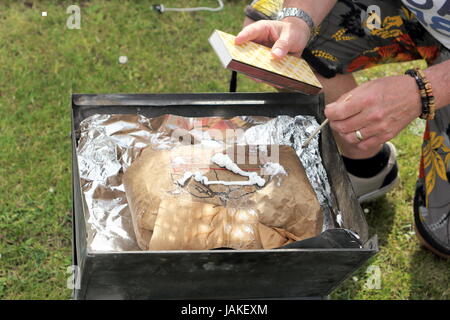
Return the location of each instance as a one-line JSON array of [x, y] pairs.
[[290, 35], [247, 22], [379, 109]]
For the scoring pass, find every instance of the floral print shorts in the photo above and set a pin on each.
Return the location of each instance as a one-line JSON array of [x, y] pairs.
[[361, 34]]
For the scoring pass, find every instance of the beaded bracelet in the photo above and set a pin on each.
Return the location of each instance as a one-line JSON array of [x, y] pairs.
[[423, 95], [430, 96], [426, 93]]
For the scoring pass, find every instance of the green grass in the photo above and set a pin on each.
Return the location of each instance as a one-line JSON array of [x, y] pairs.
[[42, 63]]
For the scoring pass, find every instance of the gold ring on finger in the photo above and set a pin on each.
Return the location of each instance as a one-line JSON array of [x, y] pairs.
[[359, 136]]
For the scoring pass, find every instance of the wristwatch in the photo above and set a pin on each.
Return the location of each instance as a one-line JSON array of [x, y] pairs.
[[299, 13]]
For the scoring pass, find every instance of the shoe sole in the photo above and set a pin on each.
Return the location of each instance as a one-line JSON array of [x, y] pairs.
[[428, 246], [379, 192]]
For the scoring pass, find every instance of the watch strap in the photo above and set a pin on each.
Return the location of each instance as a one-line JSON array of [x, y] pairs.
[[296, 12]]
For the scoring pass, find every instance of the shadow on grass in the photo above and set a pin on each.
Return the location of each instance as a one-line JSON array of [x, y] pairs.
[[430, 276], [380, 215]]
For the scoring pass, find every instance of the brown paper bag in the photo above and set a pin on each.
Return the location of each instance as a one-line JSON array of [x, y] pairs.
[[167, 216], [190, 225]]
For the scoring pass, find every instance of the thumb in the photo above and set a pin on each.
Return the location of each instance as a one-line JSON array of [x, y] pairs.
[[292, 39], [282, 46]]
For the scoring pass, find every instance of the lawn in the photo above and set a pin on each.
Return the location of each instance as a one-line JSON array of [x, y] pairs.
[[42, 62]]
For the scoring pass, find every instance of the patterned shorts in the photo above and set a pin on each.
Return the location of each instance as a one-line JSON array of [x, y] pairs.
[[361, 34]]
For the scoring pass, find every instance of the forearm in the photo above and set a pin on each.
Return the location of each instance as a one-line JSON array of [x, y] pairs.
[[317, 9], [439, 78]]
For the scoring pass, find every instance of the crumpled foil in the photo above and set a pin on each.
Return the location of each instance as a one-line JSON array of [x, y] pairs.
[[108, 145]]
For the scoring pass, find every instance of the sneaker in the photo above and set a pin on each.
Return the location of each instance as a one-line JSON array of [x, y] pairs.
[[432, 236], [427, 241], [367, 189]]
